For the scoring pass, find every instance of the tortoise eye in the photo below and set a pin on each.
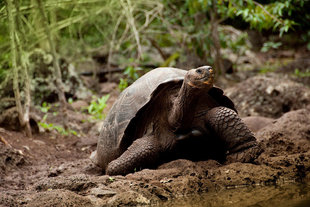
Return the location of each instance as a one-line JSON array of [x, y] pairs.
[[199, 71]]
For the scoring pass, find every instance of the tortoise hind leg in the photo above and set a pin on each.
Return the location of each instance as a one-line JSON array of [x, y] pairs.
[[143, 152], [239, 141]]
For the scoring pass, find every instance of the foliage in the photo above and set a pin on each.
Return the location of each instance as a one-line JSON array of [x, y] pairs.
[[123, 83], [124, 26], [70, 100], [80, 26], [272, 15], [269, 67], [305, 74], [188, 33], [270, 45], [305, 38], [235, 45], [234, 40], [97, 106], [131, 74], [188, 21], [170, 61], [45, 108], [57, 128]]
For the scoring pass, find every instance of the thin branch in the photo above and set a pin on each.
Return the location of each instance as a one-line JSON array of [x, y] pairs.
[[157, 47], [268, 13], [112, 46], [141, 29], [129, 13]]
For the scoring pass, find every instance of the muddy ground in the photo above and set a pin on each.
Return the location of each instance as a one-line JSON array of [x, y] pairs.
[[54, 170]]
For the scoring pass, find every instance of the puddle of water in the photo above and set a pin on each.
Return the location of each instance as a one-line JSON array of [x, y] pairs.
[[292, 195]]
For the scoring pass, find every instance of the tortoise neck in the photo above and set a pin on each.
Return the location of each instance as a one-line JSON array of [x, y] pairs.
[[183, 107]]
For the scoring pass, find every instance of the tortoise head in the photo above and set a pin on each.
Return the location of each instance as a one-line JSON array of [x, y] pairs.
[[202, 77]]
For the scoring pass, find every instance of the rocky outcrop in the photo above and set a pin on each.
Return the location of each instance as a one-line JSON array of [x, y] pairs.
[[269, 95]]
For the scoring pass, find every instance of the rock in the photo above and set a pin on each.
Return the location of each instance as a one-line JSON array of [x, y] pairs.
[[293, 127], [61, 198], [129, 198], [79, 183], [10, 159], [96, 128], [255, 123], [268, 95], [100, 192], [107, 87], [39, 142], [79, 105], [286, 144], [9, 120]]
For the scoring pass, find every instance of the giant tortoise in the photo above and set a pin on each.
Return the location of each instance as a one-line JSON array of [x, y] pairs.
[[162, 108]]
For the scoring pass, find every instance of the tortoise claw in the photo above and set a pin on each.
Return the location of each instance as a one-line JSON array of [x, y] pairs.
[[248, 155]]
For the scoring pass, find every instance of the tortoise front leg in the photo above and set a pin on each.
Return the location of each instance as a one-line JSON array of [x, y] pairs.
[[143, 152], [240, 143]]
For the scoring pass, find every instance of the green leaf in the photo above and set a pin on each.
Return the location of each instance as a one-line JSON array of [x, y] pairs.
[[97, 106], [122, 84]]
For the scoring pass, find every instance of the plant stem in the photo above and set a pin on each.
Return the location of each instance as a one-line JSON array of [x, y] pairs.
[[27, 104], [57, 72], [12, 31], [24, 67], [131, 20]]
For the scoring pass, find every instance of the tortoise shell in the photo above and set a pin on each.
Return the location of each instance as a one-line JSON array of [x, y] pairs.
[[132, 101]]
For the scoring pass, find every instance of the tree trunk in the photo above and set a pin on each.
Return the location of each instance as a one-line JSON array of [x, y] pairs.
[[27, 91], [22, 117], [218, 62], [20, 33], [57, 72]]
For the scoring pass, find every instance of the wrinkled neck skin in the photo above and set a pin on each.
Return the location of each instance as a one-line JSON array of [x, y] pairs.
[[184, 105]]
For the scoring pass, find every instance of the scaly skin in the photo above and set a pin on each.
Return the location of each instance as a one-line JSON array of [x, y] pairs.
[[143, 152], [239, 141]]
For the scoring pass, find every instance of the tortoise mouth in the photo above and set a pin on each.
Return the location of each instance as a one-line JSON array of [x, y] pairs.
[[208, 79], [202, 82]]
